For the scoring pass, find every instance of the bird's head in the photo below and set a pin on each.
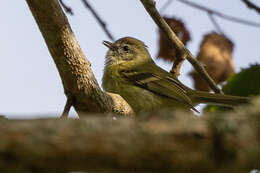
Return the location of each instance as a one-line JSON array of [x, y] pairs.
[[126, 51]]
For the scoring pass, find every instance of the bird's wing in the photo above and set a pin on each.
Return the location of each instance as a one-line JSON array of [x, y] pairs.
[[161, 83]]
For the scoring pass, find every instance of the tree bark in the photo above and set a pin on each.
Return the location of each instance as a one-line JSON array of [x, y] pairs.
[[165, 142], [77, 78]]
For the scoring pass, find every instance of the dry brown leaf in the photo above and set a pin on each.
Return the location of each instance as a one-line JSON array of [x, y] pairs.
[[216, 54], [166, 51]]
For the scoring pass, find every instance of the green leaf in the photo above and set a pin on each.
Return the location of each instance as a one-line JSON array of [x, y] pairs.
[[244, 83]]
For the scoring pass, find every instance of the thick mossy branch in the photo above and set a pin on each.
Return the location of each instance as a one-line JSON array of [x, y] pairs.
[[167, 142], [78, 80]]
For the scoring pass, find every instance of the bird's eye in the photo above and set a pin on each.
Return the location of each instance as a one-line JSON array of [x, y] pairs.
[[126, 48]]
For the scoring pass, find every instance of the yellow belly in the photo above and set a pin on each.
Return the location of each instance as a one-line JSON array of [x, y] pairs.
[[141, 99]]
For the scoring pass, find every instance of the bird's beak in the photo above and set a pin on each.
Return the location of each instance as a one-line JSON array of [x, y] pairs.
[[109, 45]]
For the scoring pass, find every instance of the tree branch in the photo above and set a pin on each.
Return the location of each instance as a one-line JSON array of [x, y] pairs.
[[67, 8], [251, 5], [67, 107], [166, 142], [100, 21], [74, 69], [163, 8], [94, 13], [221, 15], [178, 45], [176, 67], [215, 23]]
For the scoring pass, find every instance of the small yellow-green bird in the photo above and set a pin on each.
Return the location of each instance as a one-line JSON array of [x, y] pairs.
[[131, 72]]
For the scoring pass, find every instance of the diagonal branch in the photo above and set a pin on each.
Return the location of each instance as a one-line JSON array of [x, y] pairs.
[[74, 69], [215, 23], [178, 45], [252, 5], [67, 107], [94, 13], [176, 67], [221, 15], [163, 8], [98, 18], [67, 8]]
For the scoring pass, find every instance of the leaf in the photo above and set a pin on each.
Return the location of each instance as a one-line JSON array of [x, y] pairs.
[[166, 51], [216, 54], [244, 83]]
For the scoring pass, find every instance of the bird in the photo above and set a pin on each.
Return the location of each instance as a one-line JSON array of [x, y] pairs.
[[131, 72]]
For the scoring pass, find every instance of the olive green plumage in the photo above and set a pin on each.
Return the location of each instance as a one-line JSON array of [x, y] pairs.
[[131, 72]]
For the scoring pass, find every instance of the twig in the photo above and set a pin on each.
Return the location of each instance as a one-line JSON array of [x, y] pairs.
[[176, 67], [251, 5], [221, 15], [100, 21], [213, 20], [163, 8], [174, 40], [67, 107], [67, 8]]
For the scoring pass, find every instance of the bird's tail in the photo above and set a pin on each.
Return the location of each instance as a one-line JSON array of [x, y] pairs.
[[217, 99]]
